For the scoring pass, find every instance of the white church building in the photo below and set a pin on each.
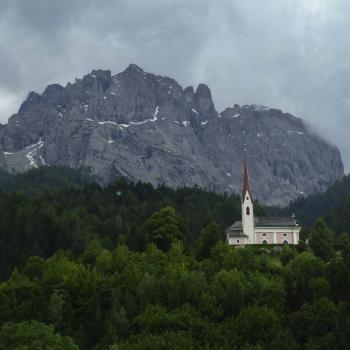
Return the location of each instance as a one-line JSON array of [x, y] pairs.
[[260, 230]]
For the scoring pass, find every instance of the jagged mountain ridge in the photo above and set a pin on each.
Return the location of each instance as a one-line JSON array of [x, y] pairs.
[[147, 127]]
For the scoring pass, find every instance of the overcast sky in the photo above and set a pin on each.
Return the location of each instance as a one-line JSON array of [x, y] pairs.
[[289, 54]]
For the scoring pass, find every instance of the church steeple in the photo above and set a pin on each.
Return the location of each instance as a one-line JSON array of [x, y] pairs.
[[246, 187], [247, 208]]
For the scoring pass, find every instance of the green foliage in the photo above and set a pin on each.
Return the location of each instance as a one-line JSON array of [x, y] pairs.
[[299, 274], [163, 228], [315, 320], [234, 299], [65, 210], [228, 291], [322, 240], [50, 178], [209, 236], [257, 325], [166, 341], [287, 254], [32, 335], [333, 205]]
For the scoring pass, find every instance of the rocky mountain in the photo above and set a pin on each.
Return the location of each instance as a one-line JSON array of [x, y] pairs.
[[147, 127]]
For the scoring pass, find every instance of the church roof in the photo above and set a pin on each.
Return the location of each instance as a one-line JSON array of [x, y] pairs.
[[236, 233], [237, 226], [266, 222], [274, 221]]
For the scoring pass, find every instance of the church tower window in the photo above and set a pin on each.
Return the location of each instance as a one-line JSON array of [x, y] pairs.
[[247, 211]]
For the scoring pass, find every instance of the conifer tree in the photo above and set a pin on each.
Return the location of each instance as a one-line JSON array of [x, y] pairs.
[[322, 240]]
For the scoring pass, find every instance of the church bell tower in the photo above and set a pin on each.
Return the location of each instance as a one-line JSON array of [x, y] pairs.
[[247, 208]]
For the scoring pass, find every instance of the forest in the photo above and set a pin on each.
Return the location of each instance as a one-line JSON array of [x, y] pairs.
[[333, 205], [130, 266]]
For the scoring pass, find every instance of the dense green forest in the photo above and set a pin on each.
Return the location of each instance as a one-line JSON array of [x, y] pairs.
[[36, 180], [333, 205], [129, 266], [46, 214]]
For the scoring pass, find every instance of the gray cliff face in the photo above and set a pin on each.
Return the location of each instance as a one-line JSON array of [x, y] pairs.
[[146, 127]]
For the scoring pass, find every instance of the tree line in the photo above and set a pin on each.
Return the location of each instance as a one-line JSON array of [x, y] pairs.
[[59, 208], [333, 205]]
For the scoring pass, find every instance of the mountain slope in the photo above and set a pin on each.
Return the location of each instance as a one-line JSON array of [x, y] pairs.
[[146, 127]]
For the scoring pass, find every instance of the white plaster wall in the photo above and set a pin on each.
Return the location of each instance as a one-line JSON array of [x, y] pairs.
[[260, 237], [275, 234], [281, 236], [233, 241], [248, 220]]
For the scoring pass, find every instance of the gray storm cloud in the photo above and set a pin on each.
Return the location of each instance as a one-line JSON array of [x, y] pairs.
[[290, 54]]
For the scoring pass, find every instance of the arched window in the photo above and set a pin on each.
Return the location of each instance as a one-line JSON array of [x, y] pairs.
[[237, 240], [247, 211], [285, 242], [264, 241]]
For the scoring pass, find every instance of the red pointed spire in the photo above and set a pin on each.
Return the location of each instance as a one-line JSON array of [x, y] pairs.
[[246, 187]]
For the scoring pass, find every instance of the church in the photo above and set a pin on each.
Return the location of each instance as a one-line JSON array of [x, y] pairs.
[[260, 230]]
